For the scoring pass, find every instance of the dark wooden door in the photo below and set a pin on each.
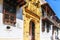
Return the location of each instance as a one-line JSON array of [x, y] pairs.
[[32, 30]]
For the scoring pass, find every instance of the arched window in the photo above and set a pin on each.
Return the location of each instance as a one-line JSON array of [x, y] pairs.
[[32, 30]]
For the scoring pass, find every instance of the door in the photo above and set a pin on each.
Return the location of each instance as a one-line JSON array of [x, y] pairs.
[[32, 30]]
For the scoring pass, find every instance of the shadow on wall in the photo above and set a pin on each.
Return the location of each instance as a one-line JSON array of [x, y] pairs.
[[1, 8], [19, 14]]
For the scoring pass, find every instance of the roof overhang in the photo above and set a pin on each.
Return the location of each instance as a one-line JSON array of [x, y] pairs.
[[14, 3], [46, 4]]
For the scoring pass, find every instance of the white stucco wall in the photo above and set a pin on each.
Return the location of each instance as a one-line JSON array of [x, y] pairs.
[[59, 34], [15, 33]]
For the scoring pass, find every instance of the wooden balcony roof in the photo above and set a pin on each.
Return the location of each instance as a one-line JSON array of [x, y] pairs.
[[15, 3], [48, 7], [11, 5]]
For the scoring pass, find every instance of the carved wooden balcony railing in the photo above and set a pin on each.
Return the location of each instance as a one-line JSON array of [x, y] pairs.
[[50, 18]]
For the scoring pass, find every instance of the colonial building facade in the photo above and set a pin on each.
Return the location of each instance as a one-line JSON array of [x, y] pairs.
[[28, 20], [49, 23]]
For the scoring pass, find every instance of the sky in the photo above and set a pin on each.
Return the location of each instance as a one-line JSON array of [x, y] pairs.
[[55, 5]]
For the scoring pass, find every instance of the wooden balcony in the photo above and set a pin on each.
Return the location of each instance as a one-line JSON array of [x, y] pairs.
[[50, 18], [9, 8]]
